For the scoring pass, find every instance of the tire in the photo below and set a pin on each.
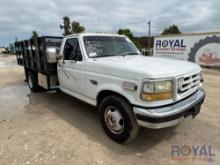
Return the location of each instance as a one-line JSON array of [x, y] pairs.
[[201, 43], [32, 81], [115, 109]]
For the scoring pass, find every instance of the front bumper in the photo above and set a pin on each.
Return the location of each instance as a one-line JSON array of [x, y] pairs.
[[170, 115]]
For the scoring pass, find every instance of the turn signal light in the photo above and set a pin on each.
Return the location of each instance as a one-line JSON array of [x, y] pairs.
[[156, 96]]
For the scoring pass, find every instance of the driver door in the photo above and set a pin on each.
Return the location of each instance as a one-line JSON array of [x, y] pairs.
[[71, 69]]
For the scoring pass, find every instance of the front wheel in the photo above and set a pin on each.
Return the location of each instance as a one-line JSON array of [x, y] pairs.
[[117, 119]]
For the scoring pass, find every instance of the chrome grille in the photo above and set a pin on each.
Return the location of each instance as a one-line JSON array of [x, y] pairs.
[[188, 83]]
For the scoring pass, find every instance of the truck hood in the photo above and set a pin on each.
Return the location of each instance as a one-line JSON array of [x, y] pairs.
[[150, 67]]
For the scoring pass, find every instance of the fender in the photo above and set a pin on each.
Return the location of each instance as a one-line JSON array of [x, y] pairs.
[[129, 95]]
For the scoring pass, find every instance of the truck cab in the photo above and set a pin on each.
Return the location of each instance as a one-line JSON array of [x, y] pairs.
[[129, 90]]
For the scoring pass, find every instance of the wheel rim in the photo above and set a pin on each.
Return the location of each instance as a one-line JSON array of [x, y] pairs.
[[114, 120], [30, 81]]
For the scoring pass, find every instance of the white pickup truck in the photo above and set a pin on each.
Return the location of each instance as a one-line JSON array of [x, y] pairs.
[[129, 89]]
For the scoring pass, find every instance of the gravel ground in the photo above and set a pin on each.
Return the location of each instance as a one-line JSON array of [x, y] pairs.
[[54, 128]]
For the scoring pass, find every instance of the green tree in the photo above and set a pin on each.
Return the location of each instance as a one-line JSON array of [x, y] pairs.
[[77, 28], [70, 28], [171, 30], [66, 26], [129, 34], [34, 34]]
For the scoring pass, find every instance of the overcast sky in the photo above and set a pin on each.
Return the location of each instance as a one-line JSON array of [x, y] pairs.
[[18, 18]]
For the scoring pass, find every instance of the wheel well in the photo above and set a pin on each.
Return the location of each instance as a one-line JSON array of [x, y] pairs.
[[106, 93]]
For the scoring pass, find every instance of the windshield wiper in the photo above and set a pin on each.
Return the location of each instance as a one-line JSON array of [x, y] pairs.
[[105, 55], [128, 53]]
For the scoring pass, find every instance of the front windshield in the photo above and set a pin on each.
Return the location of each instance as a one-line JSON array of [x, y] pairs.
[[104, 46]]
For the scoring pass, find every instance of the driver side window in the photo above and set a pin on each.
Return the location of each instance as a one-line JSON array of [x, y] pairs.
[[72, 50]]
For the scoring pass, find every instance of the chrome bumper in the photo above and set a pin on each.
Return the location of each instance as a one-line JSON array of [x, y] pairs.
[[166, 116]]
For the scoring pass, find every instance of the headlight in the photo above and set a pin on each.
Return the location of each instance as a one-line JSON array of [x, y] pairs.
[[157, 90]]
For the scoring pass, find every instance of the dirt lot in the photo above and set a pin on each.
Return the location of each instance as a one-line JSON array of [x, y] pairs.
[[54, 128]]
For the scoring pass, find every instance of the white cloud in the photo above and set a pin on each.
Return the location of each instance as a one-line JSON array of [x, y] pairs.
[[18, 18]]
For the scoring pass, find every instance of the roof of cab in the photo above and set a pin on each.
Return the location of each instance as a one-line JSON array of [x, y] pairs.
[[92, 34]]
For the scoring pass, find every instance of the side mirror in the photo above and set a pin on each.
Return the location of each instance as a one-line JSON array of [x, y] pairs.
[[59, 56]]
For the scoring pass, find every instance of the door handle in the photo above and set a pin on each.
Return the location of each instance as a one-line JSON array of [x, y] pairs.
[[72, 61]]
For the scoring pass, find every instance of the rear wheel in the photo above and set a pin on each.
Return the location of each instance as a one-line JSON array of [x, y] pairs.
[[33, 81], [117, 119]]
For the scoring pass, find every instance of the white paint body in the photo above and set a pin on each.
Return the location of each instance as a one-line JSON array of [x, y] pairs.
[[111, 72]]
